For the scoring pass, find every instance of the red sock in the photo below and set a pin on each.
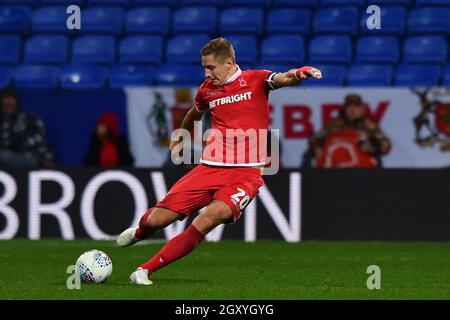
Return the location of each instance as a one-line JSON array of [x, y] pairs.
[[175, 249], [143, 231]]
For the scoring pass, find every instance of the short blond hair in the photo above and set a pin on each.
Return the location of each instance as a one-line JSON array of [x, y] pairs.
[[221, 48]]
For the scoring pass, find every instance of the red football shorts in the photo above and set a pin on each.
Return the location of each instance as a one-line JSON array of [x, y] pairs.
[[236, 186]]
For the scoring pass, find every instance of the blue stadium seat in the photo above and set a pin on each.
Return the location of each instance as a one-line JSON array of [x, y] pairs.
[[28, 3], [248, 3], [429, 20], [405, 3], [378, 49], [50, 20], [393, 21], [330, 49], [122, 3], [214, 3], [10, 49], [185, 48], [37, 77], [333, 75], [84, 77], [429, 3], [62, 2], [418, 75], [169, 3], [246, 66], [179, 75], [276, 67], [285, 49], [14, 19], [148, 20], [105, 20], [94, 49], [295, 3], [141, 49], [242, 20], [6, 76], [365, 75], [289, 20], [355, 3], [46, 49], [446, 81], [425, 49], [195, 20], [245, 47], [340, 20], [130, 75]]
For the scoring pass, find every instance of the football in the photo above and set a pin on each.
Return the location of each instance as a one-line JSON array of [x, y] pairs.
[[94, 266]]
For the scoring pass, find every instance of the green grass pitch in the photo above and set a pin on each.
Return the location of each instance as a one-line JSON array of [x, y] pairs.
[[233, 270]]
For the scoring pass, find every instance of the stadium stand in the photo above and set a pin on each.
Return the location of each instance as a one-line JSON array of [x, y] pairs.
[[10, 49], [103, 20], [393, 19], [178, 75], [148, 20], [368, 75], [429, 20], [446, 81], [14, 19], [130, 75], [287, 49], [50, 20], [141, 49], [195, 20], [155, 33], [214, 3], [330, 49], [295, 3], [242, 20], [333, 75], [425, 49], [286, 20], [84, 77], [246, 48], [336, 20], [94, 49], [418, 75], [123, 3], [6, 76], [43, 49], [62, 2], [185, 48], [37, 77], [377, 49]]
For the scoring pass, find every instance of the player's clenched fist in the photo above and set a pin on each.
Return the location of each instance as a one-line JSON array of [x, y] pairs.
[[306, 72]]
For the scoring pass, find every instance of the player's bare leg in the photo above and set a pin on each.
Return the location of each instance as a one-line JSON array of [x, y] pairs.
[[216, 213], [154, 219]]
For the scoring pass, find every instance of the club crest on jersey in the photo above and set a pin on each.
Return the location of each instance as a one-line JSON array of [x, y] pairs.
[[242, 82]]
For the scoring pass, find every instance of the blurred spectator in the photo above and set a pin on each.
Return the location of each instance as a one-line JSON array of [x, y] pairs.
[[108, 147], [351, 140], [22, 140]]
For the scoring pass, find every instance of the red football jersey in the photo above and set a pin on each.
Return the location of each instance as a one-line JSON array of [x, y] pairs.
[[239, 117]]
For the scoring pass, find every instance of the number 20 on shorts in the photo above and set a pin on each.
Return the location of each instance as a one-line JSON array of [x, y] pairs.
[[241, 198]]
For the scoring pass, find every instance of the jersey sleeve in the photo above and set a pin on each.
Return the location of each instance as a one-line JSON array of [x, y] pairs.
[[200, 104], [266, 77]]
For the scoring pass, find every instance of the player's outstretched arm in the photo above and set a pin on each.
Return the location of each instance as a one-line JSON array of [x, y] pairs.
[[295, 76], [188, 123]]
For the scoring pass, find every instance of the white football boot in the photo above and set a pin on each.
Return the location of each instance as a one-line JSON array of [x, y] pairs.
[[127, 238], [140, 276]]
